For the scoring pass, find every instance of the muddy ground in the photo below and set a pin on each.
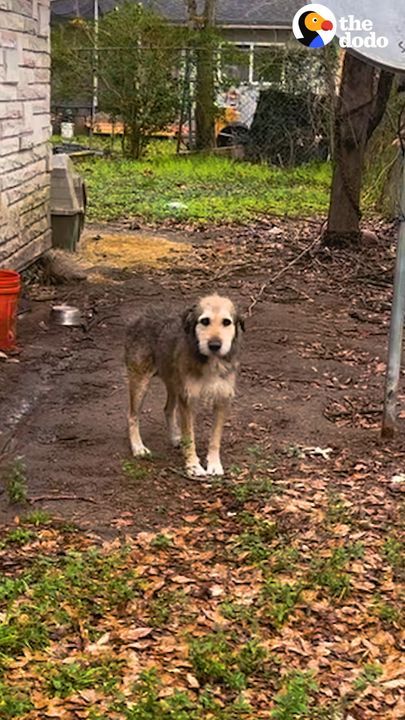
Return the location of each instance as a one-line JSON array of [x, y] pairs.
[[312, 371]]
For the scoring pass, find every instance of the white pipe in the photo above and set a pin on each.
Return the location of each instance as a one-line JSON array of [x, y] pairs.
[[396, 326]]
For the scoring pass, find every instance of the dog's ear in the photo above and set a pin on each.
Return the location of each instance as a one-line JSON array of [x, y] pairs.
[[189, 320]]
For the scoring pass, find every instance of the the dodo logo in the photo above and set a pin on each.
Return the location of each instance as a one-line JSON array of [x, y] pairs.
[[314, 25]]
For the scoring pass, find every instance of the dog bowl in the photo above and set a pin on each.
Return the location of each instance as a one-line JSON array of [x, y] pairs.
[[66, 315]]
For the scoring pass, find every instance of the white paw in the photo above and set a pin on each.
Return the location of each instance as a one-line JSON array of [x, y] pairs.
[[175, 440], [215, 467], [140, 451], [195, 470]]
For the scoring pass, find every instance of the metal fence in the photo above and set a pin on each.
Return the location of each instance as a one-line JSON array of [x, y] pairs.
[[275, 102]]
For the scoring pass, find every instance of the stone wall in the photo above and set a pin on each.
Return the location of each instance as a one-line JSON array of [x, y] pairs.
[[24, 131]]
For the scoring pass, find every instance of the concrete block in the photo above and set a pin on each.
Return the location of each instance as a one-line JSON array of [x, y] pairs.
[[11, 66]]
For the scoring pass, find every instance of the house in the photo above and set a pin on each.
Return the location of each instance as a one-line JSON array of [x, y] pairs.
[[240, 20], [259, 29], [24, 131]]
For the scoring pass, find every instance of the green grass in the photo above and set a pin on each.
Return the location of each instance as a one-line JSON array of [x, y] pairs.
[[201, 189]]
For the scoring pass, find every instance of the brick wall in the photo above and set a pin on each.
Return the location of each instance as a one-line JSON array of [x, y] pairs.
[[24, 131]]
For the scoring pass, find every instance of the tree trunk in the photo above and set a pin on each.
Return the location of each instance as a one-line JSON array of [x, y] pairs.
[[205, 96], [205, 77], [133, 146], [364, 93]]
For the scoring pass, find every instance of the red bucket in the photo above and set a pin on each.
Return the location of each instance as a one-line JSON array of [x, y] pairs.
[[10, 284]]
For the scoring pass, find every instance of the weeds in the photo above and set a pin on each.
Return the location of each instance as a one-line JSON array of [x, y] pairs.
[[337, 511], [329, 573], [16, 482], [368, 676], [237, 612], [216, 661], [146, 704], [13, 702], [134, 471], [19, 536], [37, 518], [162, 607], [293, 701], [387, 612], [53, 594], [161, 542], [394, 553], [278, 600], [69, 678], [255, 541], [284, 559]]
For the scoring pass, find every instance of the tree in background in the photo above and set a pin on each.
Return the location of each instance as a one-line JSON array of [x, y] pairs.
[[71, 66], [138, 66], [363, 97], [202, 26]]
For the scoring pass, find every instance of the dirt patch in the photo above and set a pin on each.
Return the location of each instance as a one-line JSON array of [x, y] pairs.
[[312, 373], [126, 250]]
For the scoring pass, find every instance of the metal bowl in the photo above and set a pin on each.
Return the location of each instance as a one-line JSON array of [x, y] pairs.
[[66, 315]]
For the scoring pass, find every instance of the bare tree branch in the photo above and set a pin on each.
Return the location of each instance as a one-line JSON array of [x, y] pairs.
[[384, 87]]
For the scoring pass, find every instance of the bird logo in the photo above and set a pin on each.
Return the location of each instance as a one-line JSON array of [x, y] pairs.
[[314, 26]]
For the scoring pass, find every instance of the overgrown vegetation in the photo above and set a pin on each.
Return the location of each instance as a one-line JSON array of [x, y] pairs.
[[202, 189], [15, 481]]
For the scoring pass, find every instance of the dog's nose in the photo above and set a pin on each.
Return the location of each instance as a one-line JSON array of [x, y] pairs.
[[214, 345]]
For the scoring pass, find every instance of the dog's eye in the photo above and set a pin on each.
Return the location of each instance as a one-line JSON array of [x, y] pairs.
[[205, 321], [226, 322]]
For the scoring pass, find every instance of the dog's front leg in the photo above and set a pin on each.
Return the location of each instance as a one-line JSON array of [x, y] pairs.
[[193, 465], [214, 465]]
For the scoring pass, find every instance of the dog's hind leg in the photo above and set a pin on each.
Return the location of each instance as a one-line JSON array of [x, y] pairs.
[[193, 465], [214, 465], [138, 385], [171, 418]]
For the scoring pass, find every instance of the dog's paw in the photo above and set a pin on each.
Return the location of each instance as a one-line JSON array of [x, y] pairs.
[[175, 440], [215, 468], [195, 470], [140, 451]]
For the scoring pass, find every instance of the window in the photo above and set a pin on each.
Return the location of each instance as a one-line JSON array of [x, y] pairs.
[[235, 65], [268, 64]]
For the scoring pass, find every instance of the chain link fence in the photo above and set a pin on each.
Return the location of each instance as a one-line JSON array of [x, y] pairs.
[[269, 103]]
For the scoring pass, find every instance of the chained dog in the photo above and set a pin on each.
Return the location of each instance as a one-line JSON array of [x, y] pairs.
[[196, 355]]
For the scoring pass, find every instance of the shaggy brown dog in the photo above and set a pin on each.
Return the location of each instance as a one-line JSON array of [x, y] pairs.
[[196, 356]]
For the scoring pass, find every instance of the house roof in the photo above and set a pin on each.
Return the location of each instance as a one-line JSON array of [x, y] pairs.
[[229, 13]]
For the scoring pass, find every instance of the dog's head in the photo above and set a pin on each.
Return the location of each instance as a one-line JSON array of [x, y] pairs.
[[214, 326]]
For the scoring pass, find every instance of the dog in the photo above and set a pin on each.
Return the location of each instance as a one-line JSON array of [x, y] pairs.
[[196, 355]]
